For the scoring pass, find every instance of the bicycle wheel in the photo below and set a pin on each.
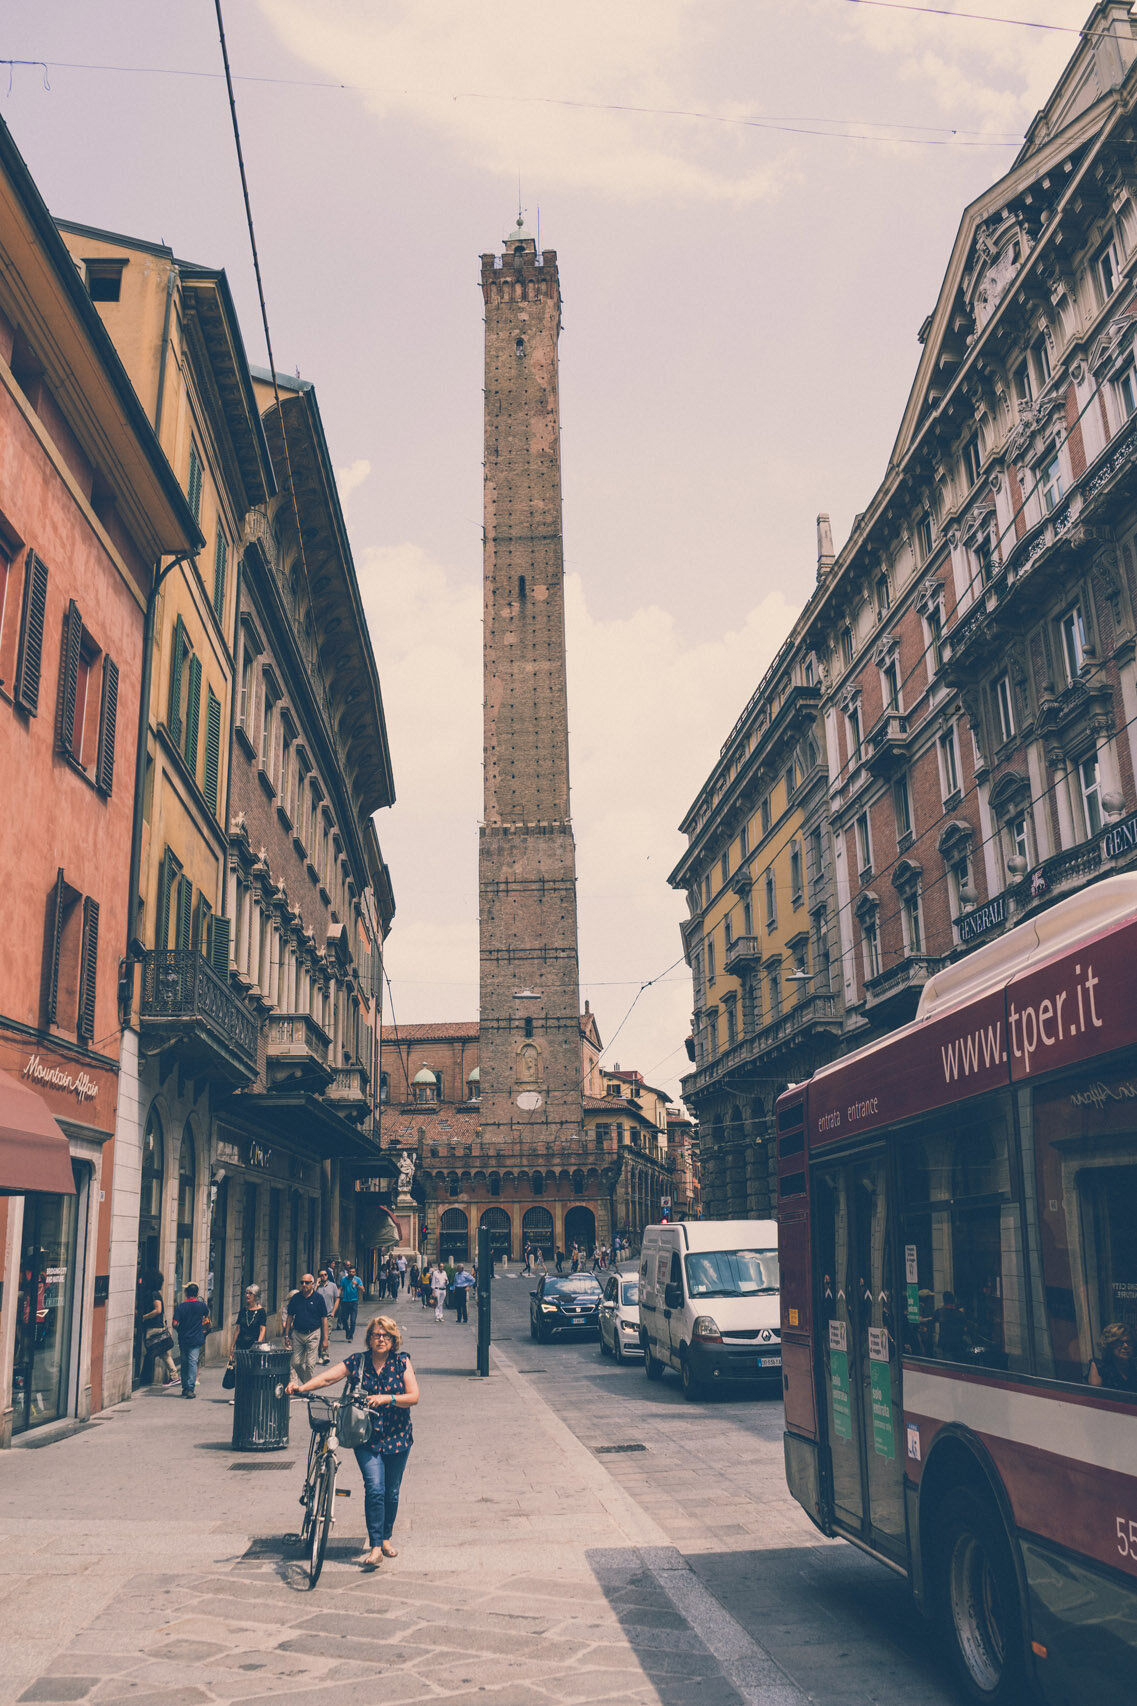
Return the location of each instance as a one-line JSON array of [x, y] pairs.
[[322, 1518], [311, 1483]]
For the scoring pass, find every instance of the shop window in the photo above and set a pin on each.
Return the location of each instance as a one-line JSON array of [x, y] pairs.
[[1080, 1171], [187, 1192], [965, 1294], [50, 1258]]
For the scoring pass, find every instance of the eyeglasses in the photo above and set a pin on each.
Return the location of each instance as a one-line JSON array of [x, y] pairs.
[[381, 1335]]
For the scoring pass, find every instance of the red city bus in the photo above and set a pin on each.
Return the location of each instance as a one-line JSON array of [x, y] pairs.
[[958, 1228]]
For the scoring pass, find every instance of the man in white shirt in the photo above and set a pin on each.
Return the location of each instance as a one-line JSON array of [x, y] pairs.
[[401, 1264], [439, 1285]]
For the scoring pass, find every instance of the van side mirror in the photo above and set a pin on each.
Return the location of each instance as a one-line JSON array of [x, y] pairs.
[[673, 1295]]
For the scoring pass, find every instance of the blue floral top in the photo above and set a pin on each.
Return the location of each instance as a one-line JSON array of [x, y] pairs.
[[390, 1426]]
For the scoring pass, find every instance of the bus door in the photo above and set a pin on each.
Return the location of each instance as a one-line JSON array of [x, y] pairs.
[[859, 1354]]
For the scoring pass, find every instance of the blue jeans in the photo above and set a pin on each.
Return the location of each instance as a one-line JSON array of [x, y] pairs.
[[348, 1312], [191, 1355], [382, 1477]]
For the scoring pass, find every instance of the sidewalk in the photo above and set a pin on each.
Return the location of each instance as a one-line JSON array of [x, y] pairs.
[[142, 1565]]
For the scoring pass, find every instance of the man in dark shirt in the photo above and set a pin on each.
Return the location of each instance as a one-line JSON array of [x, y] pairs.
[[306, 1328], [951, 1323], [191, 1318]]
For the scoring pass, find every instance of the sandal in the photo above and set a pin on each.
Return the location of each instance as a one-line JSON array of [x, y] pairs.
[[371, 1559], [388, 1550]]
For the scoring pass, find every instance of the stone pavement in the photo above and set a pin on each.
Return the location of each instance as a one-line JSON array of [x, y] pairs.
[[143, 1564]]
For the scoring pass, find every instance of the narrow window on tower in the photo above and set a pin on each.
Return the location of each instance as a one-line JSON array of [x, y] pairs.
[[520, 346], [521, 587], [528, 1027]]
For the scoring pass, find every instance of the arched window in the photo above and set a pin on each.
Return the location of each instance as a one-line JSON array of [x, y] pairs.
[[578, 1182], [537, 1229], [187, 1192], [500, 1228], [495, 1185], [384, 1088], [150, 1200], [538, 1184], [454, 1236]]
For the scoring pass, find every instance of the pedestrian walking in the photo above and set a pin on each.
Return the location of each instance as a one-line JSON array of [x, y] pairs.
[[329, 1291], [392, 1280], [462, 1283], [401, 1265], [252, 1321], [439, 1286], [306, 1327], [157, 1339], [384, 1372], [191, 1323], [351, 1290], [560, 1257]]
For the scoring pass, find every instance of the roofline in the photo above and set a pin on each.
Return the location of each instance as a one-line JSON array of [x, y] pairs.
[[118, 237], [218, 277], [13, 164]]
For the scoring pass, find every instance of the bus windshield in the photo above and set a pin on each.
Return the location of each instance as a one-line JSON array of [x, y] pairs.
[[732, 1273]]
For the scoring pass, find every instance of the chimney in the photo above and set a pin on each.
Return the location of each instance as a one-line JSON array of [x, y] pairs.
[[825, 557]]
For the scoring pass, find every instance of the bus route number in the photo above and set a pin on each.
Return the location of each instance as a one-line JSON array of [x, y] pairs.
[[1127, 1537]]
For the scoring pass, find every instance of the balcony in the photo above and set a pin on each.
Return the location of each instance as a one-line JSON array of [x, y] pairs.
[[185, 1005], [297, 1053], [743, 951], [886, 744], [899, 987], [348, 1091], [815, 1014], [1062, 874]]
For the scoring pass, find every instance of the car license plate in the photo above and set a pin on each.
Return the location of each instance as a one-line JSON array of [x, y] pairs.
[[769, 1362]]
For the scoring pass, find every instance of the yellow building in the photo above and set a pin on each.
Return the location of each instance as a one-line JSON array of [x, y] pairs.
[[188, 1034], [756, 876]]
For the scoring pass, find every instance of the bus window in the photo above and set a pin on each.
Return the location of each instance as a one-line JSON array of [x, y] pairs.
[[1080, 1141], [964, 1298]]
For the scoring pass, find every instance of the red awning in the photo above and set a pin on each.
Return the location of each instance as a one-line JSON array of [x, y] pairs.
[[34, 1152]]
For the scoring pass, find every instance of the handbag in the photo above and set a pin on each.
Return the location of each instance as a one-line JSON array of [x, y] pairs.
[[159, 1340], [229, 1378], [353, 1423]]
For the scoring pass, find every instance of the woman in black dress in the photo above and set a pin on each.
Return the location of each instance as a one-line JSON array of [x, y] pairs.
[[383, 1371], [252, 1322]]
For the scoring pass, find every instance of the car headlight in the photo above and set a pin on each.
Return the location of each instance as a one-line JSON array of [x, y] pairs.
[[706, 1330], [549, 1308]]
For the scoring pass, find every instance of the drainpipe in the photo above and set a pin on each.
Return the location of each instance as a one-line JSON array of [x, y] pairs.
[[134, 948]]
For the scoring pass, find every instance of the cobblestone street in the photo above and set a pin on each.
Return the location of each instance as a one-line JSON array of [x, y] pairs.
[[143, 1559]]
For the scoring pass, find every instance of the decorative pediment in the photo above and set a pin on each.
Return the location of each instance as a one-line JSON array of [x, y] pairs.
[[1010, 793], [999, 248], [930, 597], [1034, 418], [1113, 346], [955, 840], [906, 876], [866, 906], [978, 518], [887, 648], [850, 699]]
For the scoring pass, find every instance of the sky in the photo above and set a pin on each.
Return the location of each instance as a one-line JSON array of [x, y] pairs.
[[753, 203]]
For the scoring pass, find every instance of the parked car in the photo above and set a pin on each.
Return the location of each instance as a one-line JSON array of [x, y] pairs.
[[620, 1315], [564, 1303], [709, 1303]]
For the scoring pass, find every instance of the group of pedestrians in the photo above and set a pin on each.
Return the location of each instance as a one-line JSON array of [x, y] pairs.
[[433, 1284], [191, 1324], [577, 1256]]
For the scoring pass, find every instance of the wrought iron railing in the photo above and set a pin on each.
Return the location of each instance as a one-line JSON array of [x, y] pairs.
[[180, 986]]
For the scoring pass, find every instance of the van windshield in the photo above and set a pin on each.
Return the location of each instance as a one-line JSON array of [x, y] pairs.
[[732, 1273]]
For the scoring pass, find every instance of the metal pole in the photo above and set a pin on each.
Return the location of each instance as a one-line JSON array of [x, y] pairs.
[[485, 1276]]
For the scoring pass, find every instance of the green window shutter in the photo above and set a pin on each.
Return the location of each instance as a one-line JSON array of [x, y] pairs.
[[68, 679], [162, 919], [219, 944], [193, 489], [177, 663], [29, 661], [88, 969], [193, 712], [108, 718], [220, 562], [202, 913], [212, 778], [53, 938], [184, 906]]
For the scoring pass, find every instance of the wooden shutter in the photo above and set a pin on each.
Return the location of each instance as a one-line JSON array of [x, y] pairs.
[[212, 777], [165, 882], [69, 679], [29, 662], [220, 561], [184, 920], [193, 712], [218, 947], [108, 718], [193, 492], [53, 938], [177, 662], [88, 969]]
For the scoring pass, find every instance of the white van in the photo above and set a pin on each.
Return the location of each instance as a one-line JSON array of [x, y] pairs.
[[709, 1303]]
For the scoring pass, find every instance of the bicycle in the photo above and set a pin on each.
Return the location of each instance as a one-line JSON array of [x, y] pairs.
[[320, 1491]]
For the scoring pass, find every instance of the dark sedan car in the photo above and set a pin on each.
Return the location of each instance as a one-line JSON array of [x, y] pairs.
[[564, 1303]]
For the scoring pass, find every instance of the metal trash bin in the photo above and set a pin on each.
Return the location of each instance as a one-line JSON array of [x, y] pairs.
[[260, 1403]]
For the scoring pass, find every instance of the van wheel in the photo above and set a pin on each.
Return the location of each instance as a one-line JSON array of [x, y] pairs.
[[692, 1387], [652, 1368], [977, 1599]]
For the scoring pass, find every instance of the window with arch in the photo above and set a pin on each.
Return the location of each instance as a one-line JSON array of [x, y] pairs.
[[150, 1196], [187, 1194], [578, 1181]]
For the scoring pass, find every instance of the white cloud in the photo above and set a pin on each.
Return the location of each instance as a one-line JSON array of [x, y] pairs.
[[647, 713], [517, 86], [350, 479]]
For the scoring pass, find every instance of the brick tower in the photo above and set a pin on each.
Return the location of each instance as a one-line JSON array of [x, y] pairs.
[[530, 1041]]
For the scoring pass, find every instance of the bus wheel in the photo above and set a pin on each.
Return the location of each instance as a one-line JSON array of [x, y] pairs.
[[978, 1599]]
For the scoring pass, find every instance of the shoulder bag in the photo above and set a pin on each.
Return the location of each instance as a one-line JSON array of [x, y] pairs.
[[353, 1421]]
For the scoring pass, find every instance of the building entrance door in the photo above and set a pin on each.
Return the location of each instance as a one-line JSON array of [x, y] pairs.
[[44, 1309], [500, 1228]]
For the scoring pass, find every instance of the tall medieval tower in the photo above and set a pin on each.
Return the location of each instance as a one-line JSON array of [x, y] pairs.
[[530, 1041]]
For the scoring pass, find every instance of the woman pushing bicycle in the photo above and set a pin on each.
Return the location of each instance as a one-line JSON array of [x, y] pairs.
[[383, 1374]]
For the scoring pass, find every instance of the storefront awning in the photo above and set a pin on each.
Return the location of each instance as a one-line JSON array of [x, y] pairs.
[[34, 1153]]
